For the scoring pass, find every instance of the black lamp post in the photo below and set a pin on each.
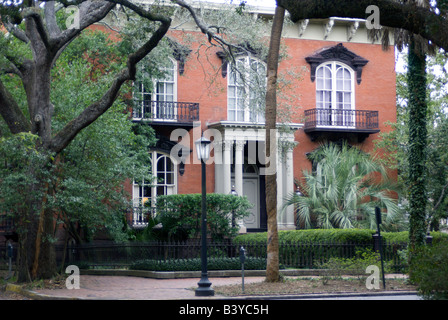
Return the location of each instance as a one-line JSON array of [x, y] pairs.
[[204, 285]]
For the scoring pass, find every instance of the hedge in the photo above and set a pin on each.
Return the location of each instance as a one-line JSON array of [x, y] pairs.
[[334, 236], [251, 263], [312, 235]]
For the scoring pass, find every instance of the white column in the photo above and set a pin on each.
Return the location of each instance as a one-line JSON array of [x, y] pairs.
[[227, 148], [289, 187], [239, 161], [218, 167], [279, 185]]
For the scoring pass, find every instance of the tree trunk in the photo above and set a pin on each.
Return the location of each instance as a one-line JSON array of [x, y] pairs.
[[36, 252], [272, 268], [417, 145]]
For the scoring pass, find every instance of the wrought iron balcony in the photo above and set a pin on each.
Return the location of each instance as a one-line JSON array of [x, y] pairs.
[[360, 122], [6, 224], [8, 228], [166, 113]]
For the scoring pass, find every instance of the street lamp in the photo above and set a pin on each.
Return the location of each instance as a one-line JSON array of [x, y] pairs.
[[204, 285], [298, 192]]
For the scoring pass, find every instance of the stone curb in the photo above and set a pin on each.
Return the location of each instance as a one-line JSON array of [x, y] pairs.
[[32, 294], [197, 274]]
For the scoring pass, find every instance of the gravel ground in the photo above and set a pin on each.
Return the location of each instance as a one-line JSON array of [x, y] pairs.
[[301, 285]]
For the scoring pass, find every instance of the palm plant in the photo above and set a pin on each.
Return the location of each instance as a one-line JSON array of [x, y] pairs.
[[343, 190]]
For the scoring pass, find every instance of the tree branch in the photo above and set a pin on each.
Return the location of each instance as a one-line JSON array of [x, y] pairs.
[[50, 18], [95, 110], [207, 30], [90, 13], [32, 13], [16, 32], [11, 113]]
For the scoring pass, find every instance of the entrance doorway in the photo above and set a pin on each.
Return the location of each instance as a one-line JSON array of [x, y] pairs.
[[252, 190]]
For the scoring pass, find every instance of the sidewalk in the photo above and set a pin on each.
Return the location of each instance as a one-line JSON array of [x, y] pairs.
[[117, 287], [94, 287]]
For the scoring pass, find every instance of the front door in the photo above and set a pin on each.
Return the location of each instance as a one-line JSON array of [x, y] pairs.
[[251, 190]]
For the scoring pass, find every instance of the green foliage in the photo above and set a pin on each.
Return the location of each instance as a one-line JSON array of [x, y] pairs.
[[343, 191], [417, 145], [356, 265], [250, 263], [311, 235], [396, 144], [430, 271], [87, 177], [180, 215], [93, 167], [334, 235], [22, 166]]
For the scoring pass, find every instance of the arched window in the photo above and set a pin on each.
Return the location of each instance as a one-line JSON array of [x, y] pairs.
[[246, 89], [335, 94], [163, 182], [156, 99]]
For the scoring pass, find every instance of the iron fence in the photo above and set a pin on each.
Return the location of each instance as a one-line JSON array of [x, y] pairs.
[[291, 254], [306, 255]]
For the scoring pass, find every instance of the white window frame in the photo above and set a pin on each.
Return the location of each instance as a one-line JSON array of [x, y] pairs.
[[333, 118], [239, 96], [156, 185], [158, 111]]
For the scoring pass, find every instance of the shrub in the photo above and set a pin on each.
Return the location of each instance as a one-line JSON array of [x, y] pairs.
[[356, 265], [313, 235], [180, 215], [251, 263], [430, 271], [403, 237]]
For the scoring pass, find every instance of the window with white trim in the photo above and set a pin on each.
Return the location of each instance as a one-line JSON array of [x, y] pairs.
[[163, 182], [156, 98], [246, 90], [335, 98]]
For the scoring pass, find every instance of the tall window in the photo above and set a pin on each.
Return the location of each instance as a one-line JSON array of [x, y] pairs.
[[163, 182], [156, 99], [246, 90], [335, 94]]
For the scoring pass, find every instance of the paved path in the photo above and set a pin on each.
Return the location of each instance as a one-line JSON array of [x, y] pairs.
[[115, 286], [133, 288]]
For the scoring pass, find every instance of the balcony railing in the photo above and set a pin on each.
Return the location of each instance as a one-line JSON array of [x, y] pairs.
[[167, 112], [6, 225], [341, 120]]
